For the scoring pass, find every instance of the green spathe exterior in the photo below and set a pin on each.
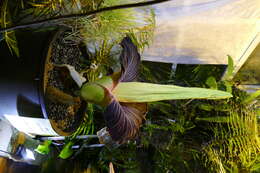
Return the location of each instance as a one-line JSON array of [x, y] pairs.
[[147, 92], [93, 93]]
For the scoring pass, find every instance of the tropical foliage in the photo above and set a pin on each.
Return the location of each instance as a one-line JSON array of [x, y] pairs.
[[179, 135], [126, 100], [204, 135], [235, 145], [100, 31]]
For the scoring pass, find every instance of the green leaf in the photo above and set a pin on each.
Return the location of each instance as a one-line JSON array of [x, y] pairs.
[[230, 69], [147, 92], [255, 167], [45, 148], [228, 86], [67, 151], [211, 82], [215, 119], [11, 41], [230, 66], [206, 107], [252, 97], [5, 21]]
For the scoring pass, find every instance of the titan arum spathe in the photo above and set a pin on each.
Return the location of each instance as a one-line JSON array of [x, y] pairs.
[[126, 100]]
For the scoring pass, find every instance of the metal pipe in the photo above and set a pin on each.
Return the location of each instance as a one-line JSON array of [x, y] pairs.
[[60, 138]]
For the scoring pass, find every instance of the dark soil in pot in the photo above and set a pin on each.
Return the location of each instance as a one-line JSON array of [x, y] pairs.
[[64, 108]]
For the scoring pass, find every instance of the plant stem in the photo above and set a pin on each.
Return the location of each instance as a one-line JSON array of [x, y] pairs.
[[72, 16]]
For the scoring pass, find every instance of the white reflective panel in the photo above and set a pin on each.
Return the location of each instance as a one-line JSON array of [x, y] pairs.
[[35, 126], [5, 134], [29, 155], [204, 31]]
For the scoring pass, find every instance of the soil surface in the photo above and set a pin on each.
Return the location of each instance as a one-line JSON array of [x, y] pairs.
[[67, 115]]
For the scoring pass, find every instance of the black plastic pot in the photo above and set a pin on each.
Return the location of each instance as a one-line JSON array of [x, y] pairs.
[[21, 78]]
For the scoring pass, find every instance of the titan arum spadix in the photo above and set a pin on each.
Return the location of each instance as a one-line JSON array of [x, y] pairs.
[[125, 100]]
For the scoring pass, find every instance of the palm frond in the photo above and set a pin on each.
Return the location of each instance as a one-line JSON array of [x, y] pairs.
[[6, 20]]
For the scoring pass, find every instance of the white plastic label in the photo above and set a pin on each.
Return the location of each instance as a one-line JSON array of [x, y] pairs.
[[32, 126]]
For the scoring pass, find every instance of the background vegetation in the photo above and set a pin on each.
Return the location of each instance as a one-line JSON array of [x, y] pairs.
[[194, 135], [178, 136], [189, 135]]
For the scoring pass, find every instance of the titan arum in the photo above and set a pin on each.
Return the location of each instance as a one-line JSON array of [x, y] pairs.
[[125, 99]]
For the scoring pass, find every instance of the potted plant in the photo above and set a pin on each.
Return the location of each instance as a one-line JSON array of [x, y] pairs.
[[125, 100], [34, 91]]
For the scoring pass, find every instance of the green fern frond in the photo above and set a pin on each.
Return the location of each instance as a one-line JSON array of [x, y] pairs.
[[235, 140], [213, 159]]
